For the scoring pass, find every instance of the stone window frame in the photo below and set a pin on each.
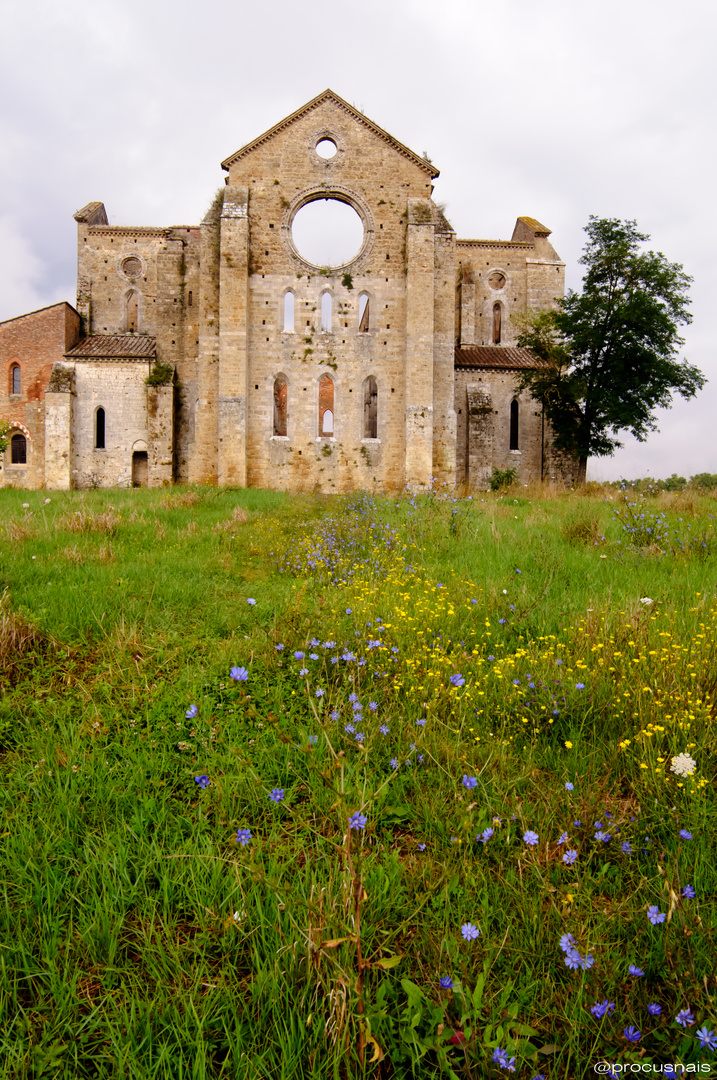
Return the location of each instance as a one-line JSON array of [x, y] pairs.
[[282, 311], [321, 436], [326, 291], [341, 194], [134, 291], [326, 133], [286, 384], [121, 259], [15, 431], [367, 294], [364, 418], [96, 446], [514, 427], [15, 366]]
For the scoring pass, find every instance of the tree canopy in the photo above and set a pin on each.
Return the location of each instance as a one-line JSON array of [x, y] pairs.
[[611, 352]]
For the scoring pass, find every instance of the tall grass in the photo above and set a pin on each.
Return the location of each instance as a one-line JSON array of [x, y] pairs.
[[448, 742]]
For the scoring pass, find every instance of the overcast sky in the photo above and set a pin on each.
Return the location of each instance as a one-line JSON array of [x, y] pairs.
[[554, 109]]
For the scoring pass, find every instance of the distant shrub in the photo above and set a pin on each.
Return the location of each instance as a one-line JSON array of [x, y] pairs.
[[705, 481], [503, 478], [160, 375]]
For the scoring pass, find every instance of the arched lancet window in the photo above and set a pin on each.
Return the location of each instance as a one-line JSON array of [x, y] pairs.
[[326, 406], [363, 311], [514, 425], [132, 320], [18, 449], [326, 312], [497, 323], [100, 429], [15, 379], [281, 411], [289, 313], [370, 408]]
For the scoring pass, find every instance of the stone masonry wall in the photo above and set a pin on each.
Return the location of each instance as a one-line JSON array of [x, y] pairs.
[[499, 389], [119, 388]]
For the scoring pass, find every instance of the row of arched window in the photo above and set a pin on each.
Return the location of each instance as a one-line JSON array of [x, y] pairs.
[[326, 410], [326, 304]]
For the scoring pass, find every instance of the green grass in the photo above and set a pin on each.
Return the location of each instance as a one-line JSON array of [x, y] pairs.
[[139, 939]]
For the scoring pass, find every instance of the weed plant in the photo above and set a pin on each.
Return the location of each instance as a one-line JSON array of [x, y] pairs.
[[304, 787]]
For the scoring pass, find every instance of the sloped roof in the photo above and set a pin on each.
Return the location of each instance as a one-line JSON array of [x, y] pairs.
[[115, 347], [506, 357], [535, 225], [329, 95]]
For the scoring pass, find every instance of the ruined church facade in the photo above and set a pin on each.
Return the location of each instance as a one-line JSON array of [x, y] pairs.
[[225, 354]]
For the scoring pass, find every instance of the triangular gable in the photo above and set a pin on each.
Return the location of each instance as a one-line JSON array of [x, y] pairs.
[[329, 95]]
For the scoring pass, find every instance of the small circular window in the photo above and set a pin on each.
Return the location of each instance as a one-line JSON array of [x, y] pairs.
[[496, 280], [326, 149], [132, 267]]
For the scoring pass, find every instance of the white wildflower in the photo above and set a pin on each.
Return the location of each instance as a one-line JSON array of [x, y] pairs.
[[646, 600], [683, 765]]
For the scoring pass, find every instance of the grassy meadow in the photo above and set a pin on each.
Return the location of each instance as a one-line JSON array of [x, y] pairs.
[[359, 786]]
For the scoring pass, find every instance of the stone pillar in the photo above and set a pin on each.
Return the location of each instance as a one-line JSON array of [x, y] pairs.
[[420, 262], [233, 337], [160, 434], [468, 313], [480, 437], [203, 454], [444, 412], [59, 427]]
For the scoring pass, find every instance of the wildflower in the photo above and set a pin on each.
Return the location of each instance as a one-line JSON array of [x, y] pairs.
[[603, 1008], [250, 601], [654, 1009], [299, 655], [313, 656], [239, 674], [243, 837], [320, 692], [421, 722], [349, 729], [191, 712], [384, 729], [304, 671], [579, 685], [570, 856], [685, 1017], [587, 962], [276, 794], [202, 781], [485, 836], [373, 706], [470, 781], [394, 762], [446, 982], [688, 892], [360, 736], [501, 621], [626, 847], [531, 837], [278, 647], [312, 740], [635, 970], [421, 847], [683, 765], [469, 931], [569, 786], [568, 744], [457, 680], [632, 1034], [708, 1039], [357, 821], [500, 1057], [577, 824], [645, 600], [567, 942], [335, 715], [655, 915], [348, 611], [685, 834], [573, 959], [562, 839]]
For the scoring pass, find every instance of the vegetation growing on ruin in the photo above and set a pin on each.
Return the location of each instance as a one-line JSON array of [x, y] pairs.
[[345, 787]]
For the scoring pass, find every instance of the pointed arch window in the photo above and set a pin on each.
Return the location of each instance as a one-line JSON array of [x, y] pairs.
[[497, 323], [289, 312], [326, 407], [100, 429], [326, 305], [281, 401], [513, 425], [132, 319], [15, 379], [364, 314], [370, 408], [18, 449]]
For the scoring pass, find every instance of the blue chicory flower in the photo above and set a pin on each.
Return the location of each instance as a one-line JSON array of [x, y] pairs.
[[202, 781], [276, 794], [685, 834], [708, 1039], [531, 837], [251, 601], [446, 982], [655, 915], [570, 856], [633, 969], [470, 781], [239, 674], [569, 786], [243, 837], [469, 931], [685, 1017], [632, 1034], [654, 1009], [688, 892], [457, 680], [358, 820], [191, 712]]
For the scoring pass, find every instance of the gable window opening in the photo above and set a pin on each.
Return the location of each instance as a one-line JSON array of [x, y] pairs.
[[326, 306], [100, 429], [15, 380], [370, 408], [18, 449], [281, 394], [363, 311], [289, 312], [326, 407], [132, 321], [497, 323], [514, 425]]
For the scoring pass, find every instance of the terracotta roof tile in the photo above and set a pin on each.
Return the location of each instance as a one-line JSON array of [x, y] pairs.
[[495, 356], [115, 346]]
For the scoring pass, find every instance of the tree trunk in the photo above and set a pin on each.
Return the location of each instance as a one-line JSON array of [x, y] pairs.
[[582, 472]]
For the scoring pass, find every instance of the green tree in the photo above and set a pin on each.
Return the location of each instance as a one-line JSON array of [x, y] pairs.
[[611, 352], [4, 432]]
